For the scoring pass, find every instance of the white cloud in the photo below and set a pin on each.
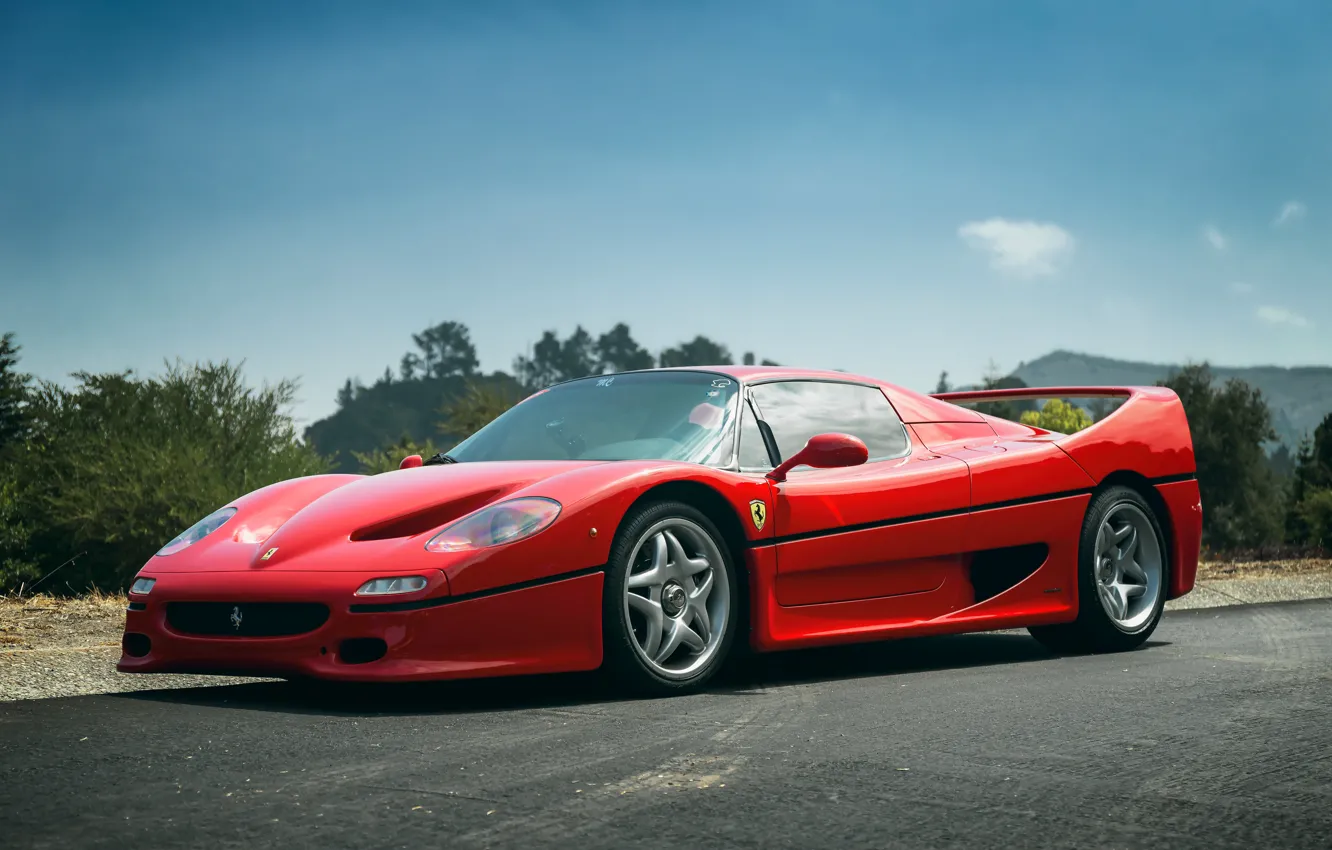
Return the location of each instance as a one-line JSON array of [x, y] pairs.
[[1241, 288], [1291, 211], [1214, 237], [1020, 248], [1282, 316]]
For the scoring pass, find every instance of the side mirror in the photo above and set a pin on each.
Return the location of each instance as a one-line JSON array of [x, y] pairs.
[[410, 461], [824, 451]]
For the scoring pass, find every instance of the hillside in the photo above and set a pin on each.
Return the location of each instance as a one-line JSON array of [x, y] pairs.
[[1299, 397]]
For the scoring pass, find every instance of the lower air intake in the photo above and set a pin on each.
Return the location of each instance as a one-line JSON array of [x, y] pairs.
[[245, 619]]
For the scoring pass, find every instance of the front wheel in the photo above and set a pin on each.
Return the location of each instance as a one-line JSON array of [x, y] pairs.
[[1122, 566], [670, 600]]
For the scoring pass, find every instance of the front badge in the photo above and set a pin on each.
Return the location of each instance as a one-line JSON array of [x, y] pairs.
[[758, 511], [236, 618]]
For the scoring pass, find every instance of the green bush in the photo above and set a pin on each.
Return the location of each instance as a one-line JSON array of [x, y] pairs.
[[117, 465], [1316, 511], [1058, 416]]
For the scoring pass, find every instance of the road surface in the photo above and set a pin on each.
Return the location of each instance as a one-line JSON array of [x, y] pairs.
[[1217, 734]]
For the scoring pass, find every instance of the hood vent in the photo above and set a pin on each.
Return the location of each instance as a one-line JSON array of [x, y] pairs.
[[427, 519]]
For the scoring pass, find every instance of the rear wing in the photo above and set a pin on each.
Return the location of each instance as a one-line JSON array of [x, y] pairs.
[[1038, 393], [1148, 433]]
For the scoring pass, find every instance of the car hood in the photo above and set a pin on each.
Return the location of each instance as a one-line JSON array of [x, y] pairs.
[[382, 513]]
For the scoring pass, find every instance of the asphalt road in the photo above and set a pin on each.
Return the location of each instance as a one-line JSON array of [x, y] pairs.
[[1217, 734]]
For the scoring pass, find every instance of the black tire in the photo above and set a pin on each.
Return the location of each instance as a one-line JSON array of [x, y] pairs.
[[1095, 630], [625, 662]]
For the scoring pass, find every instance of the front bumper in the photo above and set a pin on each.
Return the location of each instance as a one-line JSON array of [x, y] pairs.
[[547, 627]]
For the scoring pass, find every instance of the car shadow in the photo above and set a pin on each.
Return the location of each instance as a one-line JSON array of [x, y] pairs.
[[757, 673]]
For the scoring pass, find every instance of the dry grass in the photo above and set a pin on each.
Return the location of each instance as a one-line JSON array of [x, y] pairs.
[[56, 622], [1213, 570]]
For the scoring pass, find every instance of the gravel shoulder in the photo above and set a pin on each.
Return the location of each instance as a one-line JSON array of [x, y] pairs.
[[55, 647]]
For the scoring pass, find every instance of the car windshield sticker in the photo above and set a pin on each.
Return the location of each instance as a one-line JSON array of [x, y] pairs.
[[721, 382], [605, 382]]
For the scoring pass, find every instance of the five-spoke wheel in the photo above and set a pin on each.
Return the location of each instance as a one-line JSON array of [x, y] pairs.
[[1121, 577], [670, 589], [1128, 566]]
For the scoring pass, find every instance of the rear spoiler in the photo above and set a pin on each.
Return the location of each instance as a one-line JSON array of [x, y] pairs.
[[1147, 434], [1037, 393]]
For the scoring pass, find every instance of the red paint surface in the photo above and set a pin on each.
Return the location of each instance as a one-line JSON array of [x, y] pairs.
[[816, 575]]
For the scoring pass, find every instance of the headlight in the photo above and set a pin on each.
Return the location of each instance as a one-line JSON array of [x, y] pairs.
[[389, 586], [502, 523], [197, 532], [143, 586]]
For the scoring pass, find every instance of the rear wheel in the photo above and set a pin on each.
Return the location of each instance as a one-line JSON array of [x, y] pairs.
[[1122, 568], [670, 600]]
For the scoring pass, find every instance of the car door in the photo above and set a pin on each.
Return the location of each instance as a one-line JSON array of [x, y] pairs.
[[894, 526]]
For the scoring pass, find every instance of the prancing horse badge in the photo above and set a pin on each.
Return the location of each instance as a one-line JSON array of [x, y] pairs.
[[758, 511]]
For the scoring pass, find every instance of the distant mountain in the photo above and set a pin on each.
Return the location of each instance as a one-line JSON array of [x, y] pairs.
[[1299, 397]]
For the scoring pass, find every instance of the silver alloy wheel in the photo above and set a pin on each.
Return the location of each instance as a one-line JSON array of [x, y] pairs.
[[1128, 566], [677, 597]]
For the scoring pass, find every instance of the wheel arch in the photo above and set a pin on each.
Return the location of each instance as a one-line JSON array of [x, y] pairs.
[[1141, 485], [717, 509]]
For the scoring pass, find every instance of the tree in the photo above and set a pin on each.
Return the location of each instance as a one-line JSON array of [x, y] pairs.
[[1059, 416], [578, 356], [542, 368], [408, 366], [942, 386], [699, 351], [553, 360], [1312, 476], [617, 351], [117, 465], [446, 351], [1229, 425], [14, 388], [346, 393], [477, 407], [1315, 512]]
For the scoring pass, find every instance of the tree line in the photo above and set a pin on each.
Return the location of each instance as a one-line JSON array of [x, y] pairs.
[[439, 395], [97, 475]]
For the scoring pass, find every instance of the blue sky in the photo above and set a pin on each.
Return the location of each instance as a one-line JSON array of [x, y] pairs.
[[892, 188]]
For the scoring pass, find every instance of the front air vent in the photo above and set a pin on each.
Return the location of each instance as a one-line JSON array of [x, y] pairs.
[[362, 650], [245, 619]]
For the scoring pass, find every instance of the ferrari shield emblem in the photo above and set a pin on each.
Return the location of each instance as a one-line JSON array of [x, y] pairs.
[[270, 553], [758, 511]]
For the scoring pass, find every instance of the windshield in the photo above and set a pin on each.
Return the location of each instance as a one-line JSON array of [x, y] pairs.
[[635, 416]]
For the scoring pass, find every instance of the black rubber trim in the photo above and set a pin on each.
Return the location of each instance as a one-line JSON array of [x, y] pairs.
[[1173, 479], [991, 506], [436, 602], [137, 606]]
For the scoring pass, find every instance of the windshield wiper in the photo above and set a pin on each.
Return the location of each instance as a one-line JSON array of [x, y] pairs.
[[440, 459]]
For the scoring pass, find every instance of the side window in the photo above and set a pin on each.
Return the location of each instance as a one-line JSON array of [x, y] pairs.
[[797, 410], [753, 451]]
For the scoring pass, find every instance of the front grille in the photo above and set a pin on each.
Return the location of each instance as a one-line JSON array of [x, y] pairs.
[[246, 619]]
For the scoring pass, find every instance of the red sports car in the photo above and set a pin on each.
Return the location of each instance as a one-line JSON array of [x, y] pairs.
[[656, 523]]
